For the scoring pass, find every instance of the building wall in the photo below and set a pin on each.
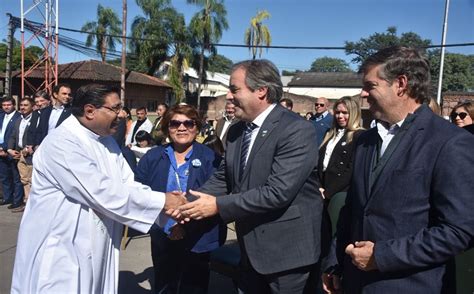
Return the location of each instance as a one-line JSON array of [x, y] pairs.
[[450, 100], [136, 95]]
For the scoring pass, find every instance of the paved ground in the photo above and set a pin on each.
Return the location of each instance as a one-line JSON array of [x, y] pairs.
[[135, 262]]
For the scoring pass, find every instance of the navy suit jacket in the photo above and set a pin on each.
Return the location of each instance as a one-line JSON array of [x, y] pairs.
[[152, 170], [418, 210], [322, 126], [9, 129], [43, 126]]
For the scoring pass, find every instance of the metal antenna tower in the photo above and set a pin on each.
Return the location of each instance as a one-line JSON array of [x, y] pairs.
[[47, 12]]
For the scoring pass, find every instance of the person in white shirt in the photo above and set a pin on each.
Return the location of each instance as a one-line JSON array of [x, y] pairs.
[[18, 150], [82, 191], [141, 124]]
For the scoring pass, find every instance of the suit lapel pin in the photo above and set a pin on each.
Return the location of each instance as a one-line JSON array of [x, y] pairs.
[[343, 143], [264, 133]]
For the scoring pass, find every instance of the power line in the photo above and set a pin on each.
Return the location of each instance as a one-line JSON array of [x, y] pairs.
[[246, 46]]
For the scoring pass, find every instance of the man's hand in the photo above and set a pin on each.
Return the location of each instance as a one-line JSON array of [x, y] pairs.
[[331, 283], [3, 153], [204, 206], [14, 154], [174, 200], [362, 254], [177, 232]]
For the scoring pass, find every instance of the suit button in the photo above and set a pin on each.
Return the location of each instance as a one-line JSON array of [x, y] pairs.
[[344, 151], [263, 231], [338, 175], [341, 163]]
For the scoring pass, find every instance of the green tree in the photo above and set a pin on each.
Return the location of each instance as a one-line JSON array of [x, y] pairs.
[[458, 72], [32, 54], [152, 34], [207, 26], [181, 52], [258, 34], [108, 23], [220, 63], [367, 46], [329, 64]]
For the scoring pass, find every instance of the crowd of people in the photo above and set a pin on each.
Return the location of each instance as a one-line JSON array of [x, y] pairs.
[[318, 202]]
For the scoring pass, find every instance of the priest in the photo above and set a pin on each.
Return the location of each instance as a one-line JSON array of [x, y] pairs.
[[82, 192]]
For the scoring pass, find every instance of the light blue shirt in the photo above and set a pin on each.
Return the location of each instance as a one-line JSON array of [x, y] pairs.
[[6, 120], [177, 179]]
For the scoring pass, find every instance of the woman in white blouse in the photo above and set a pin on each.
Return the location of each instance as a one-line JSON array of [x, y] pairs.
[[335, 156]]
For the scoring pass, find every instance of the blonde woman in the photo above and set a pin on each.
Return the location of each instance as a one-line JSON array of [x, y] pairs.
[[335, 155]]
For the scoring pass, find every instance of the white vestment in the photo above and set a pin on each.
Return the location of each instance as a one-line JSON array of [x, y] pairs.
[[82, 192], [147, 126]]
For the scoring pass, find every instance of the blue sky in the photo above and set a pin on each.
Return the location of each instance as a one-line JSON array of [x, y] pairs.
[[292, 23]]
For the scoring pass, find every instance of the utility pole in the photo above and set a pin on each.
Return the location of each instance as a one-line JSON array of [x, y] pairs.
[[443, 49], [124, 51], [8, 67]]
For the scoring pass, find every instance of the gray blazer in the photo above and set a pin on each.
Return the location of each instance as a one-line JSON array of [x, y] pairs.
[[276, 205]]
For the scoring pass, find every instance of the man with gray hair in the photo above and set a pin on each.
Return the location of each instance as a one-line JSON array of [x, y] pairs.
[[267, 184]]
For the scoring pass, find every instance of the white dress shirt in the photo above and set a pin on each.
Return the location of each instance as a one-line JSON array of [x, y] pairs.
[[387, 133], [54, 117], [258, 121], [25, 122], [330, 147]]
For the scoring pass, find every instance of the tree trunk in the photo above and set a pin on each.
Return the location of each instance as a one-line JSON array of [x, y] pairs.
[[201, 71]]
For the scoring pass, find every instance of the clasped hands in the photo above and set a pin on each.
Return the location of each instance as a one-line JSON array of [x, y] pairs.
[[362, 255], [179, 208]]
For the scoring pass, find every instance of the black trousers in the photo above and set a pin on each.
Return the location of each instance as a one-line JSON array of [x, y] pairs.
[[177, 269]]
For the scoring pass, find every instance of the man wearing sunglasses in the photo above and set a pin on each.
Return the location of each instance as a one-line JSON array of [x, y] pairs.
[[409, 209], [322, 119], [82, 192], [268, 185]]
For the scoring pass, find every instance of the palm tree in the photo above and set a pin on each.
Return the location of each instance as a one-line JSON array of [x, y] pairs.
[[152, 33], [207, 26], [108, 23], [258, 34], [180, 54]]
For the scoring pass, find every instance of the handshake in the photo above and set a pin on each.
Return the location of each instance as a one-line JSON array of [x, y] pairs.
[[178, 207]]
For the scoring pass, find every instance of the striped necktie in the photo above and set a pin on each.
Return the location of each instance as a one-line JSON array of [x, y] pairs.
[[244, 150]]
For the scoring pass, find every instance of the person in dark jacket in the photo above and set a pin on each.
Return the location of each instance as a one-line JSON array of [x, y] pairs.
[[335, 155], [180, 252]]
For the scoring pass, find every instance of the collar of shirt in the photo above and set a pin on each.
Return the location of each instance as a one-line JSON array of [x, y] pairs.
[[170, 152], [262, 116], [6, 119], [385, 129], [323, 115], [58, 107], [83, 129], [27, 117]]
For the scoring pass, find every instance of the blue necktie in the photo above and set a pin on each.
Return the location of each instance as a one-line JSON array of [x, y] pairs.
[[247, 138]]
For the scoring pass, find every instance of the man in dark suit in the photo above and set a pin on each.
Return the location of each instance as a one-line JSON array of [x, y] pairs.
[[409, 207], [52, 116], [223, 124], [17, 148], [156, 132], [9, 176], [322, 119], [267, 184], [42, 100]]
